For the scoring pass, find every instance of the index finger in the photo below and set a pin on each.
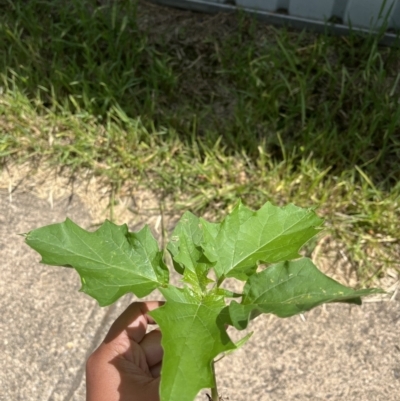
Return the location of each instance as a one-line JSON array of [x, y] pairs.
[[134, 321]]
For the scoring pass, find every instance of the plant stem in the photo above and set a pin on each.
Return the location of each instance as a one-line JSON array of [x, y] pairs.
[[214, 390]]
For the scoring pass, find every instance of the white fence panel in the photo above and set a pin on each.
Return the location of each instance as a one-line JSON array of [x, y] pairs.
[[395, 20], [264, 5], [316, 9], [370, 13], [363, 15], [360, 13]]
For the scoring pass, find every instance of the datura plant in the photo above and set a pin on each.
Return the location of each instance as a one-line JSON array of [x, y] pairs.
[[259, 248]]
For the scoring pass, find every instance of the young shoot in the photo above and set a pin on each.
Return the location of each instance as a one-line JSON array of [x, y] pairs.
[[113, 261]]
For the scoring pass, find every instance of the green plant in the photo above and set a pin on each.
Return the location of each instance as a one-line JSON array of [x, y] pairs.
[[113, 261]]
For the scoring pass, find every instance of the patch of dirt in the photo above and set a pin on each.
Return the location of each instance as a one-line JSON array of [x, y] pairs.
[[135, 206], [331, 258]]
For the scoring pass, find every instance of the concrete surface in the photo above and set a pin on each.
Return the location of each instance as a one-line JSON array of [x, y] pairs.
[[47, 330]]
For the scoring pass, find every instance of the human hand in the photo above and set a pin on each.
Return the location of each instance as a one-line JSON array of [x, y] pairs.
[[127, 364]]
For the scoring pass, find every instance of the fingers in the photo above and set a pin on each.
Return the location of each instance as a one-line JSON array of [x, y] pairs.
[[151, 346], [127, 365], [156, 370], [112, 378], [148, 307], [134, 320]]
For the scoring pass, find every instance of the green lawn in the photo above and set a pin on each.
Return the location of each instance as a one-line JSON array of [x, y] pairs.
[[207, 109]]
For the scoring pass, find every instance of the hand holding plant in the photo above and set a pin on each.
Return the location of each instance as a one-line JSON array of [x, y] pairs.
[[113, 261], [127, 364]]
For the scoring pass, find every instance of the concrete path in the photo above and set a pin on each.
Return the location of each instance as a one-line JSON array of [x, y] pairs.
[[48, 328]]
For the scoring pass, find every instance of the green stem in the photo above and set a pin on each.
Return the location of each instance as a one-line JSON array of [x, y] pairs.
[[214, 390]]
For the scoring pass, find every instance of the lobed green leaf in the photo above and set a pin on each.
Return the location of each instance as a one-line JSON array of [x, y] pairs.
[[194, 334], [184, 243], [288, 288], [245, 238], [110, 261], [187, 254]]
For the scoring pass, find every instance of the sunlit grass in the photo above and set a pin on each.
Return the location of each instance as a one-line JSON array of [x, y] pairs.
[[251, 112]]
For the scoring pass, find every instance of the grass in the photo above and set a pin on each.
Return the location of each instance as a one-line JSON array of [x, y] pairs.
[[207, 109]]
